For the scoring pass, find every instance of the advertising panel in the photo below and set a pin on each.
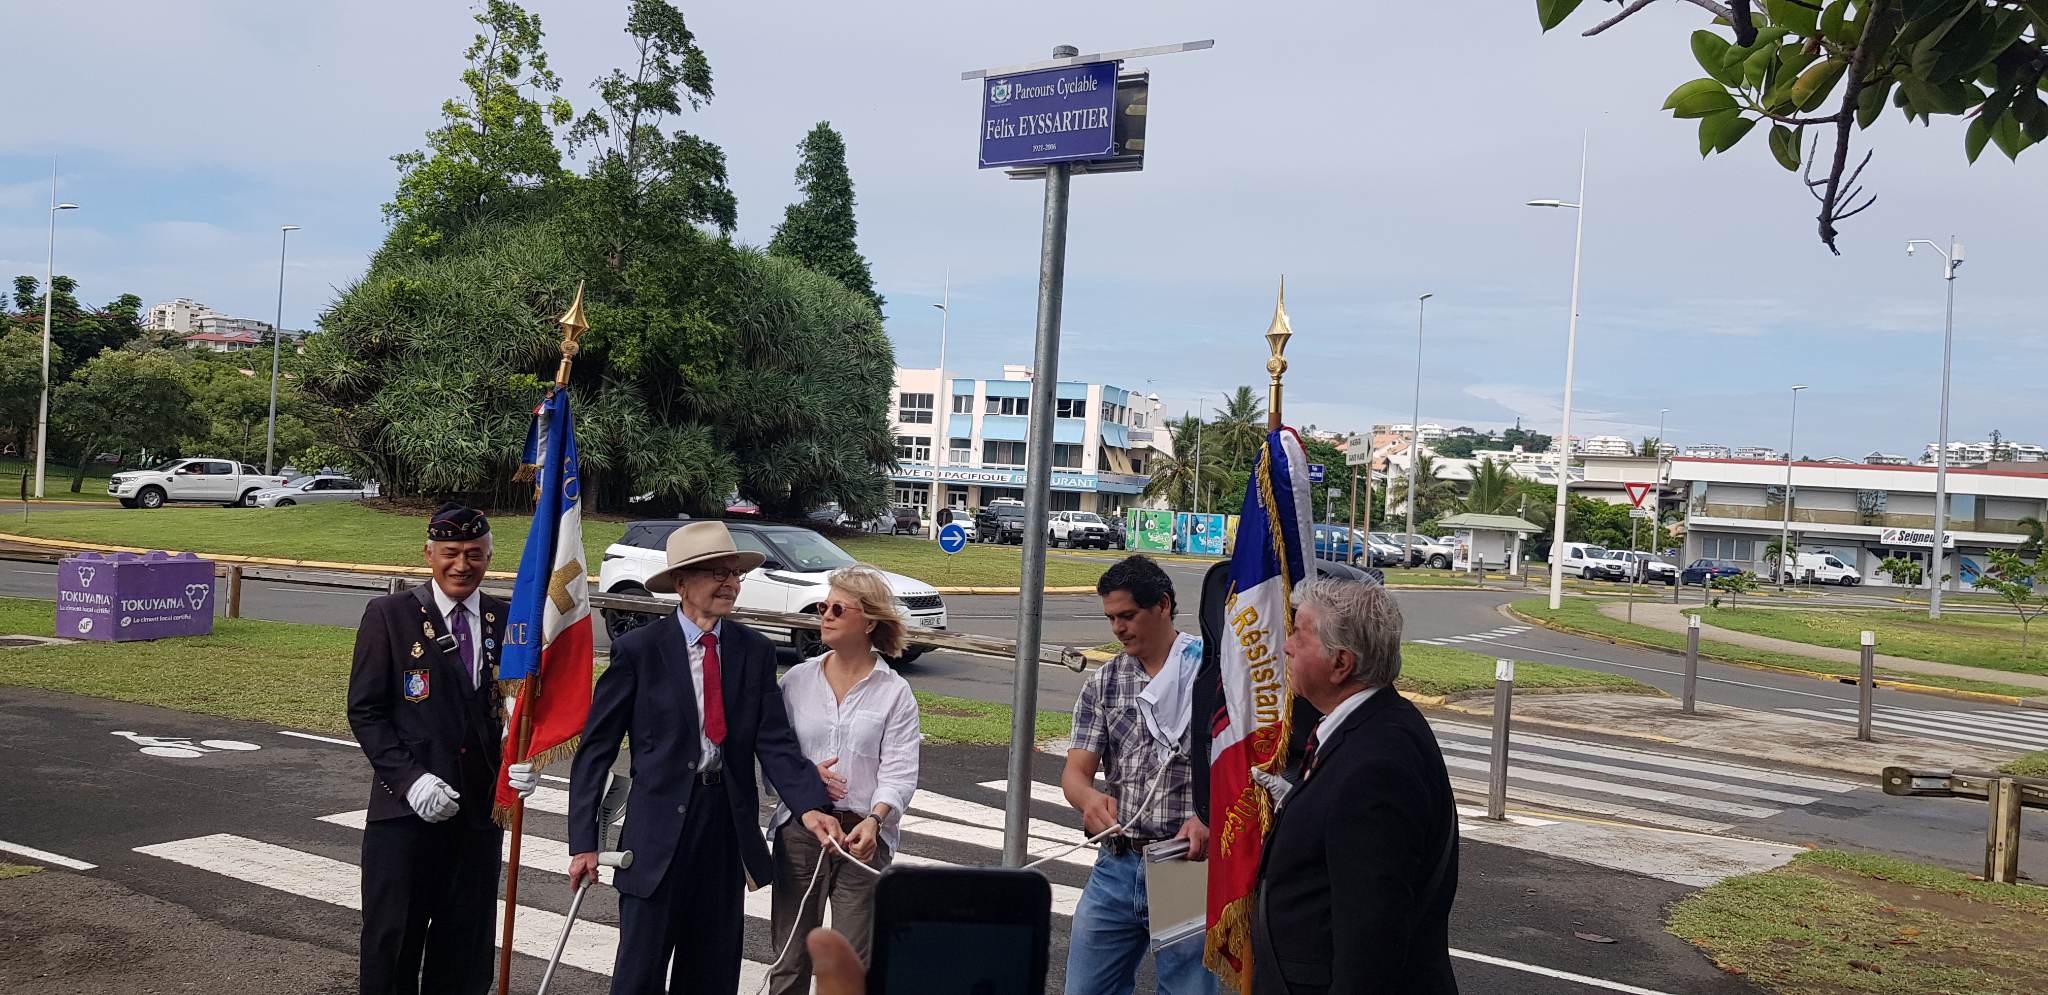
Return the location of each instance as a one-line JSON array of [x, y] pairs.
[[122, 597]]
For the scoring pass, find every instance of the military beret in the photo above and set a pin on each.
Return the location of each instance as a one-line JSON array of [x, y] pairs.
[[455, 523]]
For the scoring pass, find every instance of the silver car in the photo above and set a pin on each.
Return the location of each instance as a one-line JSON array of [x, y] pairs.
[[321, 488]]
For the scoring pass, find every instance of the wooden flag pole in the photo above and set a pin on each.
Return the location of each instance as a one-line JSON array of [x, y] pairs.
[[573, 326]]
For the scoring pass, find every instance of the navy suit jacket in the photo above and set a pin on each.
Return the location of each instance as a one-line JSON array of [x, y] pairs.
[[647, 692]]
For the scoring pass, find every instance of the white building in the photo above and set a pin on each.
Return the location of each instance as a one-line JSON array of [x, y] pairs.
[[1861, 513], [1704, 452], [1885, 459], [1986, 452], [1607, 445], [1430, 433], [175, 316], [983, 426], [225, 341], [1764, 453]]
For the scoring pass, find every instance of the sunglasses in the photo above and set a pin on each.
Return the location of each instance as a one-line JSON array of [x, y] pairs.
[[838, 609], [720, 574]]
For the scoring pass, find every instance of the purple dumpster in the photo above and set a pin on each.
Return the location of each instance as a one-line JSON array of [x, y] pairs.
[[123, 596]]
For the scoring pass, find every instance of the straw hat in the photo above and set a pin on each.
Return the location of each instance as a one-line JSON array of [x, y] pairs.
[[695, 544]]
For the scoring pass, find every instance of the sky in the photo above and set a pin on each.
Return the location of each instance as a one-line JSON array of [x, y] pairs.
[[1369, 152]]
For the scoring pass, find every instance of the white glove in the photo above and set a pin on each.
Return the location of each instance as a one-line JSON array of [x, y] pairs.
[[433, 799], [1275, 785], [522, 778]]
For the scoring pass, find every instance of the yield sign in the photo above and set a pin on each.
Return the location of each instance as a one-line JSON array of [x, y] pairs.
[[1637, 492]]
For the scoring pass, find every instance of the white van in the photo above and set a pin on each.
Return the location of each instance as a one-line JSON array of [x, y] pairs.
[[1583, 559], [1823, 568]]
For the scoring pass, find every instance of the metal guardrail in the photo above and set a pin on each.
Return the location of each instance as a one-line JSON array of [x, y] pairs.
[[782, 622], [2006, 795]]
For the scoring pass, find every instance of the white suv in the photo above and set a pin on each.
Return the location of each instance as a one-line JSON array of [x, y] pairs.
[[791, 580], [1078, 528], [1646, 567]]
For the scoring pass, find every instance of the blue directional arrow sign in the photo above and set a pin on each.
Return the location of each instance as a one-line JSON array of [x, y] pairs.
[[952, 538]]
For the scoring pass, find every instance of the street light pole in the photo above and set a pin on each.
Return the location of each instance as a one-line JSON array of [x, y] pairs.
[[49, 296], [1414, 434], [276, 337], [1787, 560], [1571, 348], [1950, 260], [943, 415]]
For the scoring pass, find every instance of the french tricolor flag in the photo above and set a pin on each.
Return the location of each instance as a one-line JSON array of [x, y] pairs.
[[1250, 730], [544, 674]]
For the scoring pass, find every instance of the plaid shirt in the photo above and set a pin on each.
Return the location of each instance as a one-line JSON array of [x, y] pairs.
[[1107, 724]]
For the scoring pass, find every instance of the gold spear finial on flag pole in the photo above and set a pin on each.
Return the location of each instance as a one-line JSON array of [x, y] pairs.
[[1277, 335], [573, 327]]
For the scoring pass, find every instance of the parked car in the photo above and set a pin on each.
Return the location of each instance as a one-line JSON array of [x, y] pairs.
[[906, 519], [324, 488], [1077, 528], [1118, 537], [1002, 521], [1822, 568], [1645, 567], [1340, 544], [830, 514], [1703, 572], [1387, 551], [1428, 551], [203, 478], [792, 579], [1590, 562]]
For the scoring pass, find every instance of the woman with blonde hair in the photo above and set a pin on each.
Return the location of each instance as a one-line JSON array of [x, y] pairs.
[[856, 719]]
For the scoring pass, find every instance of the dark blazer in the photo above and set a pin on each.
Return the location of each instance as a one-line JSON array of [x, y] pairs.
[[413, 709], [1343, 901], [647, 692]]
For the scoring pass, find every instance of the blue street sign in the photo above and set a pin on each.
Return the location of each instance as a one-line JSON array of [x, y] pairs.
[[1052, 115], [1315, 473], [952, 538]]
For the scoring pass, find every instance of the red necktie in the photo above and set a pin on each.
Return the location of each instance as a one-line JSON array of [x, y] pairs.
[[714, 691], [1308, 756]]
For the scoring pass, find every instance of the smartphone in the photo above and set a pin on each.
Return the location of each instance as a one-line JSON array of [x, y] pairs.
[[960, 931]]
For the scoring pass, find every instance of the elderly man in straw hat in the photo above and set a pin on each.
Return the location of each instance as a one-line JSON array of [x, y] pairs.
[[698, 694]]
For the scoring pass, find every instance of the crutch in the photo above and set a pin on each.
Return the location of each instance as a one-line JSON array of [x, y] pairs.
[[609, 813]]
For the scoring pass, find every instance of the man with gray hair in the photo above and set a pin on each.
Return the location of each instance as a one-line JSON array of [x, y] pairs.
[[1355, 887]]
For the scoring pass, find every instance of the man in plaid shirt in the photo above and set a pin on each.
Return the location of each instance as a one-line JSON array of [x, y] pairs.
[[1132, 723]]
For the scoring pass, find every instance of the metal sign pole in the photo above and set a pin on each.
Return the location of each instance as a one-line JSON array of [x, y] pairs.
[[1497, 774], [1052, 273], [1866, 683]]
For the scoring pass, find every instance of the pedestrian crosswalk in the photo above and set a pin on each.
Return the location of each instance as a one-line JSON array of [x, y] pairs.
[[1669, 790], [2013, 729], [1504, 632]]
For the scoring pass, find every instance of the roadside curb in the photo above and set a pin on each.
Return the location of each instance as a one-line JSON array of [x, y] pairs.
[[1011, 590], [1883, 682]]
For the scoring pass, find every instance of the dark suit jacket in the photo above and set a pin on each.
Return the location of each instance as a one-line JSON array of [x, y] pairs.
[[413, 709], [1342, 904], [647, 692]]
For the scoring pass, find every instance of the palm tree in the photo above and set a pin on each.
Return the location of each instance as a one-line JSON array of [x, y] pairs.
[[1432, 493], [1239, 428], [1180, 478], [1493, 490], [2035, 535]]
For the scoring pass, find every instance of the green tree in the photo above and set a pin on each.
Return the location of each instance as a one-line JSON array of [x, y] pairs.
[[1835, 66], [2020, 583], [21, 384], [124, 402], [1777, 551], [819, 230], [2035, 534], [1433, 494], [233, 410], [1238, 430], [498, 138], [1902, 570], [1180, 478]]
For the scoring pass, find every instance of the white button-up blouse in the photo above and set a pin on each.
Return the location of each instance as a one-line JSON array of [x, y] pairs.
[[874, 732]]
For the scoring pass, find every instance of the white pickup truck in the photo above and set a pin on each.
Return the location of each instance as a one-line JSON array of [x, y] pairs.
[[201, 478]]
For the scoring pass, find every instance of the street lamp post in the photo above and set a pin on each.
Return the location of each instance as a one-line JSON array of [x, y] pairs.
[[1950, 260], [1571, 348], [49, 295], [942, 414], [1414, 434], [276, 337], [1788, 560]]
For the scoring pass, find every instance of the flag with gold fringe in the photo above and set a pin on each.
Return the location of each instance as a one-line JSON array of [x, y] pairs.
[[1251, 729], [544, 676]]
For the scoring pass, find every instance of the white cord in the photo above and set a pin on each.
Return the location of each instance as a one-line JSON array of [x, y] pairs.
[[817, 872], [1129, 819]]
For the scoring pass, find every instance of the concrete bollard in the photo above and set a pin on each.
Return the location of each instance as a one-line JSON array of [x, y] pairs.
[[1692, 663], [1503, 702], [234, 590], [1866, 685], [2002, 842]]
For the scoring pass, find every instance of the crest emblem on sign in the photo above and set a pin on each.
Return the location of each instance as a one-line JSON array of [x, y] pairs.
[[195, 595], [999, 93], [416, 684], [85, 576]]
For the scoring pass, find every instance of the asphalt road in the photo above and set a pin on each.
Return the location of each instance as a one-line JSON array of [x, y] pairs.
[[259, 843]]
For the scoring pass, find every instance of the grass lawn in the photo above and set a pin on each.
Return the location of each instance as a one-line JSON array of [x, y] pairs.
[[1583, 615], [355, 533], [56, 481], [8, 870], [2034, 764], [1989, 641], [1425, 577], [1442, 670], [1832, 923], [296, 676]]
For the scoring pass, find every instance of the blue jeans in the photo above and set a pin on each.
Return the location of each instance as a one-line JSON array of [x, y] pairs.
[[1110, 937]]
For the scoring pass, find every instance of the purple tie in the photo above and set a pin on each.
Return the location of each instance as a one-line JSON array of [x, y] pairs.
[[458, 622]]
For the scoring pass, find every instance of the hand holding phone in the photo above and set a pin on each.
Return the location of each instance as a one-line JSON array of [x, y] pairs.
[[958, 931]]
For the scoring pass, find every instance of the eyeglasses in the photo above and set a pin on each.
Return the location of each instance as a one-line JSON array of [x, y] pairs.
[[720, 574], [837, 609]]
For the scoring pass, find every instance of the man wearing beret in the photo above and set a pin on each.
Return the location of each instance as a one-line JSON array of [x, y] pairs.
[[421, 699]]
